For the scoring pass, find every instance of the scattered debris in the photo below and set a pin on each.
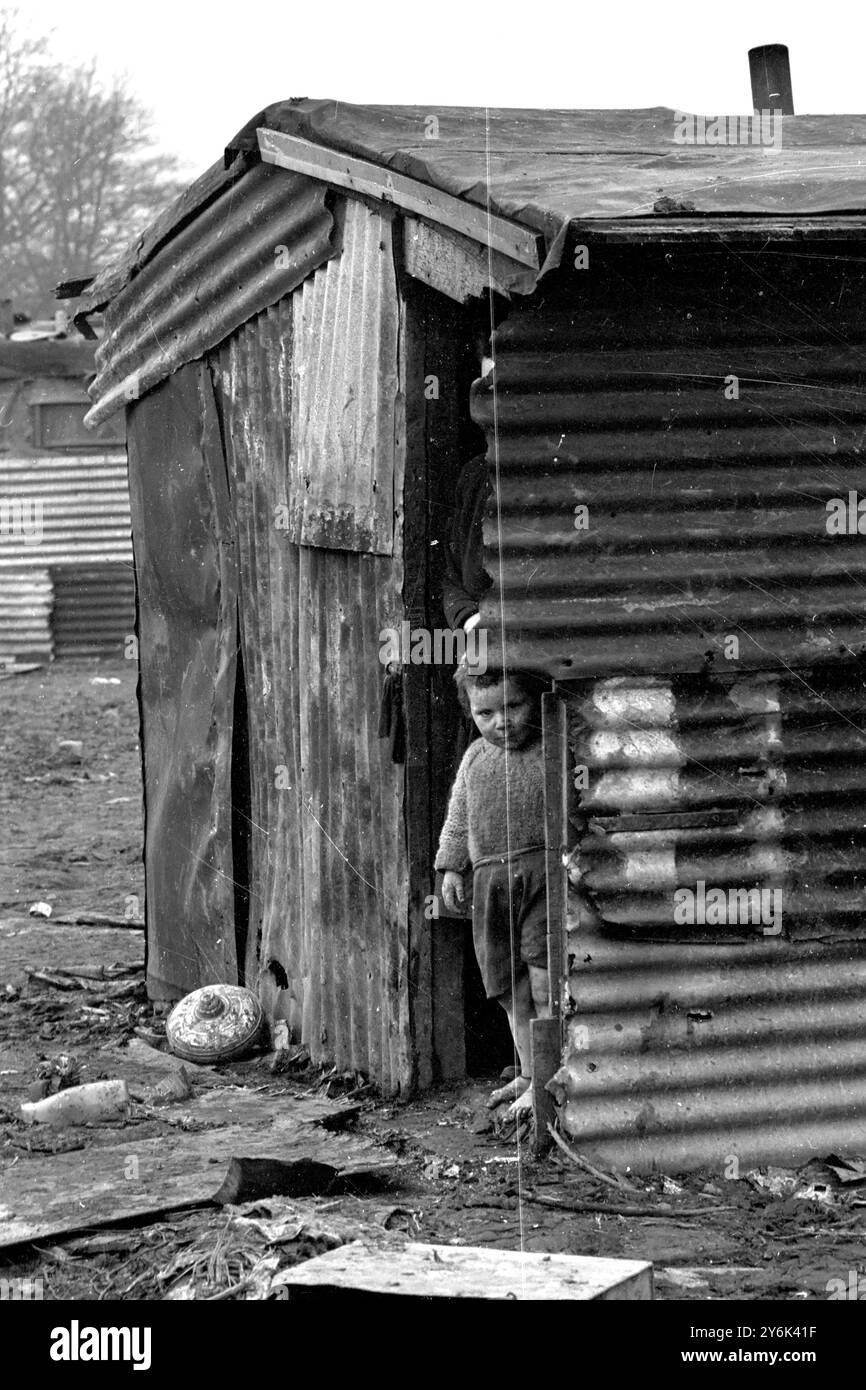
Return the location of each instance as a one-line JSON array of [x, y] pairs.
[[94, 1103], [288, 1056], [99, 919], [72, 748], [59, 1073], [611, 1179], [172, 1088], [850, 1172]]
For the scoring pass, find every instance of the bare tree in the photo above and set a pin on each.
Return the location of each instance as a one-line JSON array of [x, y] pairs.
[[79, 177]]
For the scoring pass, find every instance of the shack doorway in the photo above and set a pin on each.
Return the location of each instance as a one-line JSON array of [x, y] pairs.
[[446, 342]]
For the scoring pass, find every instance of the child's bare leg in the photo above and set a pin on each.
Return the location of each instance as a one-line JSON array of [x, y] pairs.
[[539, 985], [518, 1006]]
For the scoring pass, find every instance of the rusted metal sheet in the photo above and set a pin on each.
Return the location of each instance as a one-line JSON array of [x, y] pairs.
[[666, 475], [346, 409], [258, 239], [719, 1057], [26, 601], [328, 931], [187, 597]]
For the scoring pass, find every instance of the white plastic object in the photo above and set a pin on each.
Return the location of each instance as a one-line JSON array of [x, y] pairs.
[[92, 1103]]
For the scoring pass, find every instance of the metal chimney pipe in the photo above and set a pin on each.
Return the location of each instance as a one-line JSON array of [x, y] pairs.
[[770, 71]]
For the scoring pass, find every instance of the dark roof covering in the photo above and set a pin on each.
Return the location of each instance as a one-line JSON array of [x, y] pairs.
[[548, 168]]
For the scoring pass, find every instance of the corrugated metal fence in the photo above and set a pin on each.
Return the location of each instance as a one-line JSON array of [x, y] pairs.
[[67, 516]]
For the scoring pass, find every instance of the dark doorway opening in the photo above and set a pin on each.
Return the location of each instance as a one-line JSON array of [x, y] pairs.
[[489, 1046], [448, 340]]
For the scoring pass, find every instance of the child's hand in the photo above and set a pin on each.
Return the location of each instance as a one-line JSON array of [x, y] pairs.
[[452, 890]]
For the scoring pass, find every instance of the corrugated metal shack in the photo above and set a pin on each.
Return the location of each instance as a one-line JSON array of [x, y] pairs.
[[678, 410], [66, 581]]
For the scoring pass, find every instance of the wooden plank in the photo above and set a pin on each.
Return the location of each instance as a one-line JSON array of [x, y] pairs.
[[100, 1186], [458, 266], [447, 1271], [556, 781], [719, 229], [449, 1004], [373, 181], [546, 1044]]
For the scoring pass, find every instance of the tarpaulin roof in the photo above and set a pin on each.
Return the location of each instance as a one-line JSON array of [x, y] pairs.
[[548, 168]]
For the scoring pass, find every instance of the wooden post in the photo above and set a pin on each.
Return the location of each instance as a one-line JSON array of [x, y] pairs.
[[546, 1033], [770, 71], [546, 1045]]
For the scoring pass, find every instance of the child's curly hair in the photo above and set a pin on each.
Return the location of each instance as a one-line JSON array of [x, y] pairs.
[[532, 683]]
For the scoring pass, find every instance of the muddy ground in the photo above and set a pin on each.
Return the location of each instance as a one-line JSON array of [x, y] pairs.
[[71, 819]]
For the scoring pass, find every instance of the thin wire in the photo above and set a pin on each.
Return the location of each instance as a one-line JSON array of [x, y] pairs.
[[511, 931]]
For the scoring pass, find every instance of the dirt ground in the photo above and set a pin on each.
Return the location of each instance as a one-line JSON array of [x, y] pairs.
[[72, 838]]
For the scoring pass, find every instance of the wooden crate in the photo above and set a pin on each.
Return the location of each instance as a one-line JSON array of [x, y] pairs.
[[460, 1271]]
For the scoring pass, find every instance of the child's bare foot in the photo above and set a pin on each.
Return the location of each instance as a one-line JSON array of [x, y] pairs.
[[511, 1092], [522, 1106]]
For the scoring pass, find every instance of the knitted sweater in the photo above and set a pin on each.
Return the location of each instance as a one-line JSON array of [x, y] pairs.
[[475, 826]]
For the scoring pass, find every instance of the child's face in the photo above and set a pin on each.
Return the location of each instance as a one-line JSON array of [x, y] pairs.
[[504, 714]]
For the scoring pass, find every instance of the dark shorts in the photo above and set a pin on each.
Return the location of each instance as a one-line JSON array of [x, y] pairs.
[[509, 917]]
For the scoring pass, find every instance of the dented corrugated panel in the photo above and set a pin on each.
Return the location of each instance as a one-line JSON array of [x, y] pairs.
[[253, 244], [720, 1057], [328, 918], [667, 461], [345, 405], [676, 447], [743, 784]]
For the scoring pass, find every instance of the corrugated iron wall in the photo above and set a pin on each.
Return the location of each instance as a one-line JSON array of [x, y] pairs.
[[740, 1035], [701, 410], [669, 431], [344, 417], [94, 610], [753, 781], [255, 242], [328, 930], [684, 1056], [26, 602], [69, 514]]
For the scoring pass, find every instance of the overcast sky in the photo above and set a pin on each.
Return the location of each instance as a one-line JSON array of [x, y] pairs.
[[205, 69]]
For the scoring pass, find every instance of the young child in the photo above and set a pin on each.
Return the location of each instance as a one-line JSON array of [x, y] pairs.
[[495, 827]]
